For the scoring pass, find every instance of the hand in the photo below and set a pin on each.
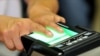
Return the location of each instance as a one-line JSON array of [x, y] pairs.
[[49, 19], [11, 30]]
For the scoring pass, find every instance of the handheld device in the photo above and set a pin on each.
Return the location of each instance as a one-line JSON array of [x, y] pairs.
[[61, 43]]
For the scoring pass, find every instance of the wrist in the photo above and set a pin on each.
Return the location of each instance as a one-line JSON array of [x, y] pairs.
[[38, 11]]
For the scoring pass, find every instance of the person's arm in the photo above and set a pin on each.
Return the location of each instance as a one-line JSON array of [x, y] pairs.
[[43, 6], [44, 12], [11, 30]]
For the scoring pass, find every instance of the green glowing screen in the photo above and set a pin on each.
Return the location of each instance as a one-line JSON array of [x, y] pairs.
[[57, 36]]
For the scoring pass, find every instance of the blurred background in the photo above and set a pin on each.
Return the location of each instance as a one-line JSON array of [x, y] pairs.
[[76, 12]]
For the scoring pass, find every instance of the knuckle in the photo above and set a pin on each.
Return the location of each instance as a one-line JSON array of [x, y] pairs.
[[4, 32], [17, 24]]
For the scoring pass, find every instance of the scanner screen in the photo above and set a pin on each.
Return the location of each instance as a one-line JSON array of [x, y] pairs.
[[57, 36]]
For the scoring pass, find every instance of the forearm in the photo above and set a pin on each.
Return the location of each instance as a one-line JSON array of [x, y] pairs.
[[42, 6], [3, 18]]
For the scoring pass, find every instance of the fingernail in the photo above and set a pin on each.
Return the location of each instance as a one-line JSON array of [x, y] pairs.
[[60, 29], [49, 33]]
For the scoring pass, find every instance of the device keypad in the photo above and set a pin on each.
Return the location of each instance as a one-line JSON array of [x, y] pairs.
[[88, 33], [75, 39]]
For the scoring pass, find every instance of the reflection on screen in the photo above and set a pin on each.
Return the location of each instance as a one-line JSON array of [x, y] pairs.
[[57, 36]]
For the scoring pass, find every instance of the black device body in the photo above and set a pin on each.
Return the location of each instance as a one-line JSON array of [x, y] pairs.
[[85, 40]]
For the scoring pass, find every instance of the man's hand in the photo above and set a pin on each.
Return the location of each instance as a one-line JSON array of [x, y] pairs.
[[11, 30], [49, 19], [44, 12]]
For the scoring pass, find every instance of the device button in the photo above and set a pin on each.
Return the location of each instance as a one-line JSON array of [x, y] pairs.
[[85, 37], [88, 33], [69, 44], [61, 45], [75, 41], [80, 39], [60, 54]]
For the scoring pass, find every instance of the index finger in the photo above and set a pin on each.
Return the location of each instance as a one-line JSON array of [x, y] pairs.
[[37, 27]]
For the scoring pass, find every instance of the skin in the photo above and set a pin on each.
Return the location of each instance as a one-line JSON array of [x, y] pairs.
[[42, 13], [13, 28]]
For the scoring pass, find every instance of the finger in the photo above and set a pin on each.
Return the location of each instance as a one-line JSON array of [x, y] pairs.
[[62, 19], [40, 28], [59, 19], [23, 28], [58, 28], [7, 39], [16, 38], [1, 37], [45, 22]]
